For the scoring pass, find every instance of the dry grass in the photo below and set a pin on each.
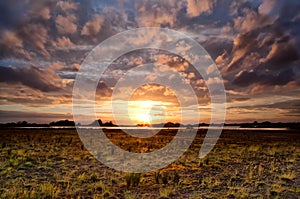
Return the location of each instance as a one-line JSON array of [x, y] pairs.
[[53, 164]]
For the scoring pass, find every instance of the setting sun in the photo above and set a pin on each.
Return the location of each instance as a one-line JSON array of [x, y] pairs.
[[143, 118], [153, 104], [140, 111], [146, 112]]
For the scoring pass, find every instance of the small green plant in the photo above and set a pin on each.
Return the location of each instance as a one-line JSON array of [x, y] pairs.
[[94, 177], [48, 190], [133, 179], [157, 176], [166, 192], [28, 164]]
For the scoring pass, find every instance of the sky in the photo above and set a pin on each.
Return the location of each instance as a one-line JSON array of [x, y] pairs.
[[255, 45]]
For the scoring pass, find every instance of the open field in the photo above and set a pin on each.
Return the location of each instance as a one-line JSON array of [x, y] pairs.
[[53, 163]]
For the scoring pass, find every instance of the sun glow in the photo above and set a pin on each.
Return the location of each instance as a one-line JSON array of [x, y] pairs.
[[146, 112], [143, 119]]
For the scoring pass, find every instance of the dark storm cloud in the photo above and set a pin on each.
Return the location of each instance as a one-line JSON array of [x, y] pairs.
[[58, 31], [274, 50], [264, 41], [33, 77], [32, 28], [265, 49], [24, 31]]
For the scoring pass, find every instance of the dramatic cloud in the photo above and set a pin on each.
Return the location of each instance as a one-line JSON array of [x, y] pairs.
[[45, 81], [251, 20], [255, 45], [264, 53]]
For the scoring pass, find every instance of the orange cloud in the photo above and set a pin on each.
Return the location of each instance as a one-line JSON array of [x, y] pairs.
[[66, 25], [11, 42], [197, 7], [66, 6], [63, 42], [93, 26]]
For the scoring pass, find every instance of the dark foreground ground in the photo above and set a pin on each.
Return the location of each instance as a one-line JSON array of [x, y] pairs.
[[44, 163]]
